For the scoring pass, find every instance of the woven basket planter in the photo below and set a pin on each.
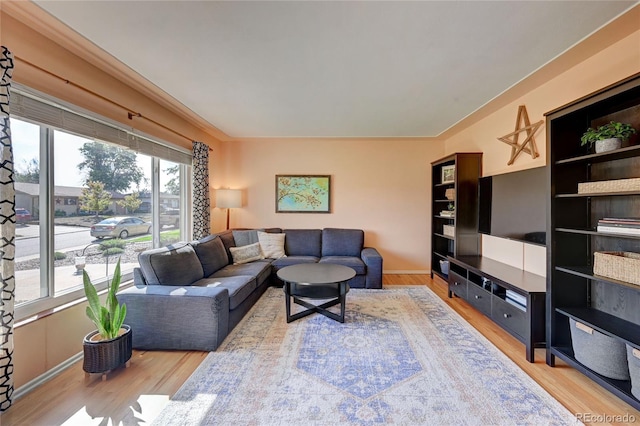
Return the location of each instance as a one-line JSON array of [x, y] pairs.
[[105, 355]]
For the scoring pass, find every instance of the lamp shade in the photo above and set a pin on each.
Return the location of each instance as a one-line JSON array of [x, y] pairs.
[[228, 198]]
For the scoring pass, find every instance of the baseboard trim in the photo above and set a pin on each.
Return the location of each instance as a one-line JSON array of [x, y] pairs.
[[50, 374], [407, 272]]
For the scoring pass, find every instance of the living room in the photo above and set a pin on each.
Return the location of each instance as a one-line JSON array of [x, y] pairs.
[[379, 184]]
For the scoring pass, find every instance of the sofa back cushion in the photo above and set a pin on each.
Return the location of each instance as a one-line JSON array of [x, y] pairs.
[[342, 242], [244, 237], [211, 253], [228, 241], [303, 242], [176, 264]]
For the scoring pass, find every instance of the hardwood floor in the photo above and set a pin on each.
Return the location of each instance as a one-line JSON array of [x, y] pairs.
[[135, 396]]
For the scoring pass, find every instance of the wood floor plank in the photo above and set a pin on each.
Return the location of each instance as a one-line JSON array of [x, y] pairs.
[[137, 394]]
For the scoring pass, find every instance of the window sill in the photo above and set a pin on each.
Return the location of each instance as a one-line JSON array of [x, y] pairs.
[[47, 312]]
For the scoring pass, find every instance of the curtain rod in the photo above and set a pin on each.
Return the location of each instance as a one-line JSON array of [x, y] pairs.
[[130, 112]]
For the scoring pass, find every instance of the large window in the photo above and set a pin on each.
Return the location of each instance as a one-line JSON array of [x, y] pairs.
[[83, 203]]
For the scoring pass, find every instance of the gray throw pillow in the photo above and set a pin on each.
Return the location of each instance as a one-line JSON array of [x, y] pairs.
[[271, 245], [246, 254]]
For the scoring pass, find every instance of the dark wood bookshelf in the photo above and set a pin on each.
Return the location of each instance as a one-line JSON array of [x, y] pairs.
[[465, 239], [609, 306]]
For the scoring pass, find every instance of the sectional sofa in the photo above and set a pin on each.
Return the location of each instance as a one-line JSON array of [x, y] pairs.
[[189, 296]]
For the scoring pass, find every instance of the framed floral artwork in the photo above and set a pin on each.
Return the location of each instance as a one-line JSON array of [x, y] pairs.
[[303, 194]]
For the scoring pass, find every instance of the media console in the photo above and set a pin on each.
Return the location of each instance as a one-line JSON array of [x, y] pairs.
[[511, 297]]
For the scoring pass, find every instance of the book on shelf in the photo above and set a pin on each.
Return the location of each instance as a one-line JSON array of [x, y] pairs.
[[447, 213], [619, 230], [516, 297], [516, 304], [620, 223], [621, 219]]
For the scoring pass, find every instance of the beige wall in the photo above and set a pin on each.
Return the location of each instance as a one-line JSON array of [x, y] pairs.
[[381, 186], [43, 344]]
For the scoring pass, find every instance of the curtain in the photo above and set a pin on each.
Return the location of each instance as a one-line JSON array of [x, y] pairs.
[[201, 203], [7, 234]]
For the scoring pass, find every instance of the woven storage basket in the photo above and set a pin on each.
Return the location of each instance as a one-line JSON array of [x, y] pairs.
[[619, 265], [107, 354], [449, 230], [603, 354], [633, 356], [450, 194], [618, 185]]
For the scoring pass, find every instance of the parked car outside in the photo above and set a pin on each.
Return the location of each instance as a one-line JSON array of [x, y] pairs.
[[22, 215], [120, 227], [169, 216]]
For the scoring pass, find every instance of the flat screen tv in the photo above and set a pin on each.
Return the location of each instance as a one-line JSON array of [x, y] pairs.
[[514, 205]]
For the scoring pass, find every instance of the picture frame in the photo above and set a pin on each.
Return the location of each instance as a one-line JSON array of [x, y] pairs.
[[448, 174], [303, 194]]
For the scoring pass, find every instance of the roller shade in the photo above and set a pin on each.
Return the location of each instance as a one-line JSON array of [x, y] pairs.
[[29, 107]]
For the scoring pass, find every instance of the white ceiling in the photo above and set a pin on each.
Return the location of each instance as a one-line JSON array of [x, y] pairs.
[[334, 69]]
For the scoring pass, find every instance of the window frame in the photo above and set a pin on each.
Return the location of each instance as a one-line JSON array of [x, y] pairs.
[[48, 299]]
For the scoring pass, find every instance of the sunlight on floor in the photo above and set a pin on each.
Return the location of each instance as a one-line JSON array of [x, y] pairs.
[[146, 410], [198, 408]]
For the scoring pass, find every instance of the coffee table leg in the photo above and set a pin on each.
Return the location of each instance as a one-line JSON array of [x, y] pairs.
[[287, 293], [311, 308]]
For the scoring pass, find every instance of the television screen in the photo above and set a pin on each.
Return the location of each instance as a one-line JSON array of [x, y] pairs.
[[514, 205]]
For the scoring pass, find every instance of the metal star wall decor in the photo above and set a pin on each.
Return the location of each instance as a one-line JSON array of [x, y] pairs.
[[512, 138]]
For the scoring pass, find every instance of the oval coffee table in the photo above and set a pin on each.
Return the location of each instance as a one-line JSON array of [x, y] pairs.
[[316, 281]]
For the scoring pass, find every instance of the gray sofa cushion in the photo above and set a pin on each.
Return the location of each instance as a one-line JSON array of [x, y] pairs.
[[342, 242], [175, 265], [239, 287], [352, 262], [212, 254], [259, 269], [245, 237], [303, 242]]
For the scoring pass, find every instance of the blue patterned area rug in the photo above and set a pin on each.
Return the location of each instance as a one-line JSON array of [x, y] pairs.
[[401, 357]]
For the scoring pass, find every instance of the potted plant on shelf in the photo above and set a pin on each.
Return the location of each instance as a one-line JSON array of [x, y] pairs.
[[608, 136], [109, 346]]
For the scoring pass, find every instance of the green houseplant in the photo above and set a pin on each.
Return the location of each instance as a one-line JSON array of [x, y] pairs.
[[109, 346], [608, 136], [109, 318]]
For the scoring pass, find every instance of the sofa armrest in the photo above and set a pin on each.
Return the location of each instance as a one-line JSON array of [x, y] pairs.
[[373, 260], [176, 317]]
